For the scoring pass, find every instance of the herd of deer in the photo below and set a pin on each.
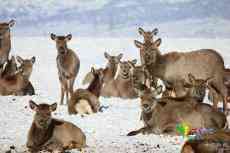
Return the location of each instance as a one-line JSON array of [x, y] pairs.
[[185, 75]]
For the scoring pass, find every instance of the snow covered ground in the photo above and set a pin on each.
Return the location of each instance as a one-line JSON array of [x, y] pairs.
[[106, 131]]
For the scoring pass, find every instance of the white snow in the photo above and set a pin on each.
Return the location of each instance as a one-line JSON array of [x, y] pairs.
[[106, 131]]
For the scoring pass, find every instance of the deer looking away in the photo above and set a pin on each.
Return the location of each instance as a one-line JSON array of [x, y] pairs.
[[49, 134], [9, 68], [161, 115], [86, 101], [173, 66], [214, 142], [108, 89], [18, 84], [68, 65], [5, 40]]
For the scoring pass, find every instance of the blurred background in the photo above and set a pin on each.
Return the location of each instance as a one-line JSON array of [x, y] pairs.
[[119, 18]]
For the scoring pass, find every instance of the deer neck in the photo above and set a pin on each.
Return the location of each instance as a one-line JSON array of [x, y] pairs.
[[158, 68], [110, 72], [95, 86], [5, 43]]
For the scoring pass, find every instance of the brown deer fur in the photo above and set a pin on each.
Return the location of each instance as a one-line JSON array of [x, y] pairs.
[[108, 89], [175, 66], [49, 134], [86, 101], [19, 82], [123, 81], [5, 40], [161, 116], [68, 65]]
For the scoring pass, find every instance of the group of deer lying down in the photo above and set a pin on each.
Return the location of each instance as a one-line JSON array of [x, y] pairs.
[[185, 76]]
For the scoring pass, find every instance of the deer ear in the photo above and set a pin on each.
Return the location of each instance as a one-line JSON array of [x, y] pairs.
[[155, 31], [120, 56], [53, 36], [53, 107], [19, 59], [33, 59], [11, 23], [157, 43], [92, 70], [138, 44], [141, 31], [68, 37], [191, 78], [107, 56], [33, 105]]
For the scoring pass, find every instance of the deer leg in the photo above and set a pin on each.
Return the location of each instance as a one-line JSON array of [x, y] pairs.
[[71, 85], [62, 94]]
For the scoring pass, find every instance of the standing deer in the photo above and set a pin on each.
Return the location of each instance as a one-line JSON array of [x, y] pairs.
[[5, 41], [175, 66], [18, 84], [50, 134], [86, 101], [68, 65], [148, 38]]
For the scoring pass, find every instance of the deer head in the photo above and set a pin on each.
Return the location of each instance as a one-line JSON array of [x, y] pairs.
[[26, 66], [148, 35], [150, 51], [42, 117], [61, 42]]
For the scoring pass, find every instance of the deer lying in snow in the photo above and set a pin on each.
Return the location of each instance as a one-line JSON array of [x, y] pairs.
[[148, 39], [86, 101], [18, 82], [109, 87], [123, 80], [68, 65], [49, 134], [215, 142], [161, 116]]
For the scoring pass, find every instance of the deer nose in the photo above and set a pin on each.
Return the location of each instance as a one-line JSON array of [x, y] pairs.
[[145, 105]]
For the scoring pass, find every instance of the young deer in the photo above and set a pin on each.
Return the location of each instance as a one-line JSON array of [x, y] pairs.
[[123, 80], [5, 41], [68, 65], [203, 63], [148, 39], [86, 101], [50, 134], [18, 84], [9, 68], [108, 89], [194, 88]]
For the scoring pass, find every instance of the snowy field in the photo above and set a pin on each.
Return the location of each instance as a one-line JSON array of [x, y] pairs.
[[106, 131]]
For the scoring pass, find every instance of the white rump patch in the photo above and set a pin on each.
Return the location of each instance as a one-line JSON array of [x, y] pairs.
[[83, 107]]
